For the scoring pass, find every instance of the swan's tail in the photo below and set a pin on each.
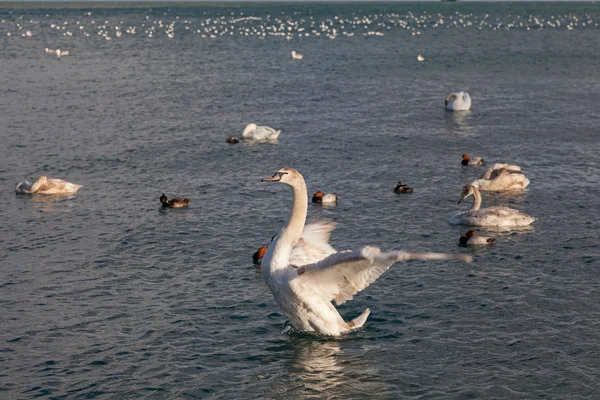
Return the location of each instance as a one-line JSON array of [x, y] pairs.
[[359, 321], [274, 135]]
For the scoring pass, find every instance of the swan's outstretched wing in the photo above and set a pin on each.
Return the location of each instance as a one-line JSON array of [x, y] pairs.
[[314, 244], [510, 167], [340, 276]]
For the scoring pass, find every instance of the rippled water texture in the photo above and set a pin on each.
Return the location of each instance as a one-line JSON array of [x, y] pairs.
[[105, 295]]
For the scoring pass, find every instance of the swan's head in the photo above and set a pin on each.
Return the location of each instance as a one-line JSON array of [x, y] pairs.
[[449, 98], [257, 257], [248, 130], [285, 175], [467, 191]]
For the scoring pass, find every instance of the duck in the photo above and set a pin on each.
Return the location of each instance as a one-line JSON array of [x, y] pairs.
[[501, 177], [297, 56], [322, 198], [420, 58], [469, 239], [258, 256], [400, 188], [232, 140], [492, 216], [471, 161], [460, 101], [174, 203], [45, 185], [305, 273], [254, 132]]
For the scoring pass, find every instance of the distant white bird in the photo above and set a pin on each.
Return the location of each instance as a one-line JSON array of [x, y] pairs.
[[47, 186], [491, 216], [420, 58], [254, 132], [49, 51], [60, 53], [460, 101], [305, 274], [297, 56]]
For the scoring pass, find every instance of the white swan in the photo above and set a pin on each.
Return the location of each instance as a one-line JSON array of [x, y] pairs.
[[47, 186], [297, 56], [460, 101], [491, 216], [305, 273], [254, 132], [501, 177]]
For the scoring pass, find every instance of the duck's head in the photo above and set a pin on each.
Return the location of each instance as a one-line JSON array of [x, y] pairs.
[[470, 234], [249, 129], [319, 194], [232, 139], [163, 199], [467, 191], [288, 176], [465, 157], [260, 253]]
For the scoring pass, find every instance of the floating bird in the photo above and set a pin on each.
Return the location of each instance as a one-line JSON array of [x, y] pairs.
[[469, 239], [420, 58], [254, 132], [322, 198], [232, 140], [174, 203], [258, 256], [501, 177], [460, 101], [297, 56], [44, 185], [400, 188], [305, 274], [491, 216], [466, 160]]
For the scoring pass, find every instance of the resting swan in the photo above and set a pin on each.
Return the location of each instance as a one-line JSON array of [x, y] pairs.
[[305, 273], [491, 216], [254, 132], [460, 101], [501, 177], [47, 186]]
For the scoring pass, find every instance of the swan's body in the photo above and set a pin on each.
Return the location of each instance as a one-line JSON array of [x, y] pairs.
[[471, 161], [44, 185], [174, 203], [491, 216], [501, 177], [305, 273], [254, 132], [400, 188], [322, 198], [297, 56], [460, 101], [470, 239]]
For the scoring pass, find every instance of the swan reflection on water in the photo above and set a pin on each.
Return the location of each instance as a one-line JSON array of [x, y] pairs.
[[458, 122], [52, 202], [321, 369]]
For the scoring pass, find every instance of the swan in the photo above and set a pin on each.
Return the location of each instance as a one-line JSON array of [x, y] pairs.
[[305, 274], [469, 239], [44, 185], [460, 101], [254, 132], [466, 160], [491, 216], [174, 203], [501, 177], [297, 56], [400, 188], [258, 256], [322, 198]]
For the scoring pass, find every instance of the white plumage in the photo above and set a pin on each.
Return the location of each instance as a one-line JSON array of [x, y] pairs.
[[254, 132], [47, 186], [460, 101], [501, 177], [305, 273]]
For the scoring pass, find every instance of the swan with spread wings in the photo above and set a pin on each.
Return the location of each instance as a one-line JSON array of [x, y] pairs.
[[305, 273]]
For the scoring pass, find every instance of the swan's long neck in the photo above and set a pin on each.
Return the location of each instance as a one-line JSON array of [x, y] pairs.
[[476, 200], [293, 230]]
